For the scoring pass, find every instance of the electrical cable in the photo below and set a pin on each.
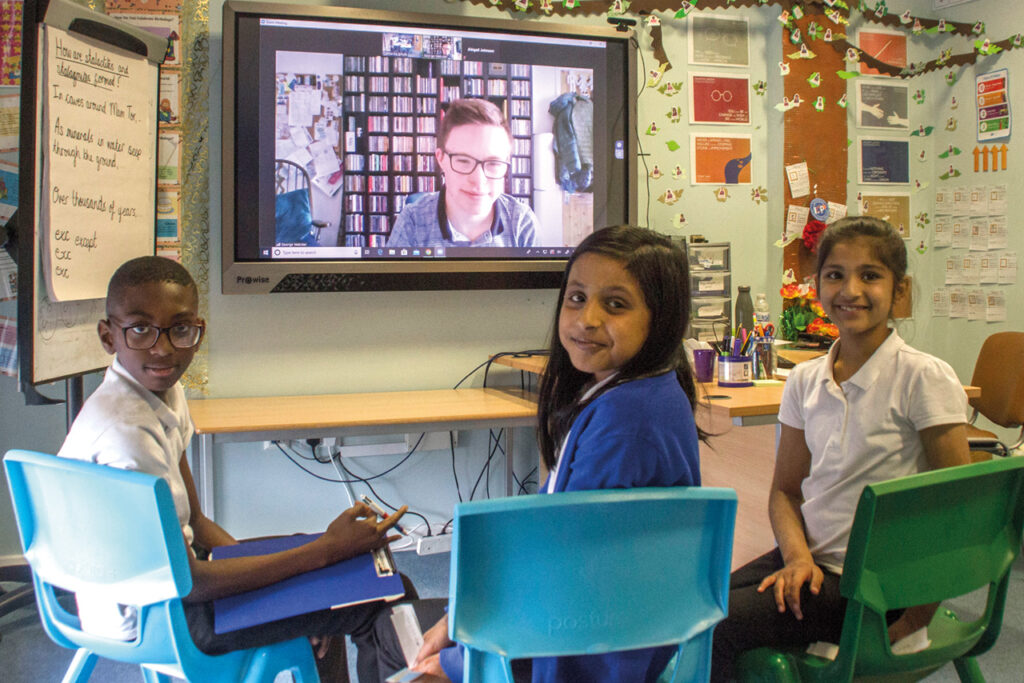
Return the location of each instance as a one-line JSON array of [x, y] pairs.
[[636, 128], [376, 496], [526, 480], [451, 445], [487, 465], [295, 452], [487, 363], [302, 467], [353, 481]]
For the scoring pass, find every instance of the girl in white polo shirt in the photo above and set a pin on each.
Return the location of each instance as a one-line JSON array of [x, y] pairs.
[[872, 409]]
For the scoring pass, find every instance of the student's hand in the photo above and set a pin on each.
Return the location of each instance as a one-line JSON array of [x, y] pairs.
[[357, 531], [788, 581], [434, 640], [431, 666]]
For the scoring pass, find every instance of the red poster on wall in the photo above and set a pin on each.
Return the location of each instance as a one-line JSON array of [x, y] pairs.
[[719, 99]]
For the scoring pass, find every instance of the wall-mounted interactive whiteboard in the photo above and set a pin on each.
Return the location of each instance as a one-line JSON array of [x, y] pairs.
[[87, 199]]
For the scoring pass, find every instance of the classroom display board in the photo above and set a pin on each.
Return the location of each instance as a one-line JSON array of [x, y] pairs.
[[87, 201]]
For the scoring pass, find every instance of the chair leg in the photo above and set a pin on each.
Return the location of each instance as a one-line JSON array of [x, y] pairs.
[[968, 670], [81, 667], [151, 676]]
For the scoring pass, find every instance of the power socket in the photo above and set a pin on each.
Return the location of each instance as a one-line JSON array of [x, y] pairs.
[[431, 545]]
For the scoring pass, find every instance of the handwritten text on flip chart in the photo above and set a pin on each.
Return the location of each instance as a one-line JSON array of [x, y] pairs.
[[99, 131]]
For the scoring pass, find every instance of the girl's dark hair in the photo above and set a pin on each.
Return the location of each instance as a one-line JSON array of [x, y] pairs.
[[143, 270], [886, 243], [661, 270]]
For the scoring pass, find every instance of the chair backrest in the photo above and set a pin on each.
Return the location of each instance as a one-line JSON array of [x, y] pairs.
[[103, 530], [289, 176], [999, 371], [926, 538], [115, 534], [589, 572]]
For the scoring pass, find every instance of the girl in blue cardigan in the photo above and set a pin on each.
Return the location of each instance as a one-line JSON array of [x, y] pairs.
[[616, 409]]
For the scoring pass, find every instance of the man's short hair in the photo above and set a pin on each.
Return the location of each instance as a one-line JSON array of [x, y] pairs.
[[143, 270], [468, 111]]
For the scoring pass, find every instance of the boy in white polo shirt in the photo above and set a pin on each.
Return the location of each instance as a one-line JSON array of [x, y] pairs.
[[138, 419]]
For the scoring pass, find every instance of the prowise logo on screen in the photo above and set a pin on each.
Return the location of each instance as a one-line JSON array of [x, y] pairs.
[[249, 280]]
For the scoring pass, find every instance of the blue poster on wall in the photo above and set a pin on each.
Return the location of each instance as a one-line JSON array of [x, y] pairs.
[[884, 161]]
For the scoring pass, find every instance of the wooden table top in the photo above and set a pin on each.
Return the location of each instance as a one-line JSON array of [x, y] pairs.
[[727, 402], [382, 409], [409, 408]]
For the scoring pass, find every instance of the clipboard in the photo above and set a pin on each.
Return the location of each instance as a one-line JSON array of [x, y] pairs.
[[364, 578]]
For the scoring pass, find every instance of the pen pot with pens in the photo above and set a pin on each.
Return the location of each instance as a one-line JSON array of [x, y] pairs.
[[746, 357]]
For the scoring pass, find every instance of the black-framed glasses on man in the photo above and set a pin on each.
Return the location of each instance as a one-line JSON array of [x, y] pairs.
[[463, 164], [144, 337]]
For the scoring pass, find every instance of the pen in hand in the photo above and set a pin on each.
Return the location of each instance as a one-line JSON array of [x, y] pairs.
[[381, 513]]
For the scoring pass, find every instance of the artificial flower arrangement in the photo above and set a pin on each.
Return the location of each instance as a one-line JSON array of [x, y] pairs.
[[801, 311]]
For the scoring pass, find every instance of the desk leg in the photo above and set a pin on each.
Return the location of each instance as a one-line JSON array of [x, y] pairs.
[[509, 461], [202, 473]]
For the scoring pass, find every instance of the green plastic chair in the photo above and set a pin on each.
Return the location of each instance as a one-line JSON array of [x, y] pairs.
[[915, 541]]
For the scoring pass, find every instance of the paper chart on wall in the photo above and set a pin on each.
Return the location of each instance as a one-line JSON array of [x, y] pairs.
[[97, 129]]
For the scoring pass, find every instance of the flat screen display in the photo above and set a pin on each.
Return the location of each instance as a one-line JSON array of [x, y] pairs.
[[333, 176]]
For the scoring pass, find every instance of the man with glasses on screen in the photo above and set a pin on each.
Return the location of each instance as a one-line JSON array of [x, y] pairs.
[[474, 146]]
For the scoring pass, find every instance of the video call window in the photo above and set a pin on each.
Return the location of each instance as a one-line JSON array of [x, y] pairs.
[[354, 132]]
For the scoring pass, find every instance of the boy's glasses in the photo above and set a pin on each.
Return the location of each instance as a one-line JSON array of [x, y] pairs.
[[463, 164], [144, 337]]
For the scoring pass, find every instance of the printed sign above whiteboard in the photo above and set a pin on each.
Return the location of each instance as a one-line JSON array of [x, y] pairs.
[[98, 128]]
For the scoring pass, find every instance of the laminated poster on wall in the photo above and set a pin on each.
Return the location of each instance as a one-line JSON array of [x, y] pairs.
[[884, 161], [11, 15], [799, 180], [720, 159], [8, 346], [995, 306], [9, 108], [8, 190], [940, 303], [992, 91], [719, 41], [893, 207], [883, 105], [884, 45], [8, 277], [720, 99]]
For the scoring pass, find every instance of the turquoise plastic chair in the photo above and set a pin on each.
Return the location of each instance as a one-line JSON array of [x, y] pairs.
[[588, 572], [915, 541], [97, 528]]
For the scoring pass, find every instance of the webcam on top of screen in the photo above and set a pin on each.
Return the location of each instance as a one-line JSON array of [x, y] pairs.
[[621, 23]]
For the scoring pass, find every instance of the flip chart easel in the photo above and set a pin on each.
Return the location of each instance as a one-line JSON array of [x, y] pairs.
[[87, 196]]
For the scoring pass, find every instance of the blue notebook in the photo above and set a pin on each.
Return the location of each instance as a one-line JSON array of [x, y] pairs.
[[350, 582]]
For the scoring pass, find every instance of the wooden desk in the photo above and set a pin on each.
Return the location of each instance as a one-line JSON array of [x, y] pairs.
[[744, 406], [272, 418]]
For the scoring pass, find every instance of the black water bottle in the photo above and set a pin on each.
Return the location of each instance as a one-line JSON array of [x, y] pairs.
[[744, 310]]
